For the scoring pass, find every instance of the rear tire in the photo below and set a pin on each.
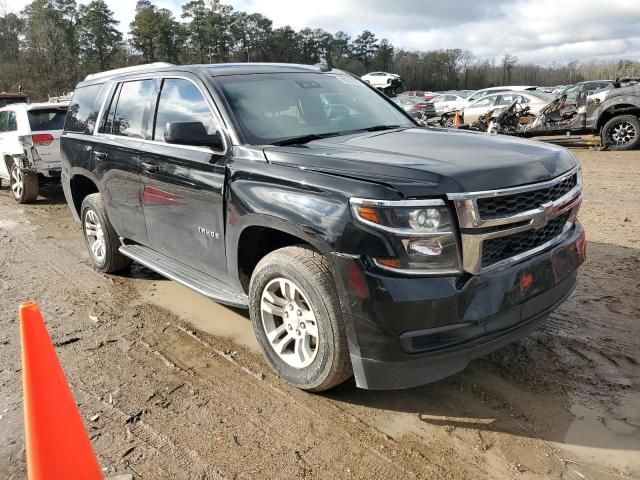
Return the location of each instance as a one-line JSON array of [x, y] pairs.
[[101, 239], [297, 319], [621, 133], [24, 185]]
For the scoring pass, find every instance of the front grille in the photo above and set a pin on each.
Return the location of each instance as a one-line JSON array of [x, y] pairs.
[[496, 207], [495, 250]]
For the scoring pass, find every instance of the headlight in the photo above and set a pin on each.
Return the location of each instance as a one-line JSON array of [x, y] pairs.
[[422, 231]]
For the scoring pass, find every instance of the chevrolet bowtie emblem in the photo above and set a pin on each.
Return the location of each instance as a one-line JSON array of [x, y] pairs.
[[541, 219]]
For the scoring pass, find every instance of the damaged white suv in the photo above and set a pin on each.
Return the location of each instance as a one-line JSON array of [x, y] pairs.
[[30, 146]]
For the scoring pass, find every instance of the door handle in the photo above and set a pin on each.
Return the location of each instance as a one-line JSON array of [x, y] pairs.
[[100, 155], [149, 167]]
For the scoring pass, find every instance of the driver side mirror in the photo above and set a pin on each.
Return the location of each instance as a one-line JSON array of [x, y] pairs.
[[192, 133]]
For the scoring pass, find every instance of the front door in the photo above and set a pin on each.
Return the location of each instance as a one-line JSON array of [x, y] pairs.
[[183, 185]]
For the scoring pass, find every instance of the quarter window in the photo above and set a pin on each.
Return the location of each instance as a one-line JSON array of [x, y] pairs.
[[181, 101], [83, 102]]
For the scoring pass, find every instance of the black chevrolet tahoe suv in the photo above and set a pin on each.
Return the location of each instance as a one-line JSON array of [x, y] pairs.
[[361, 243]]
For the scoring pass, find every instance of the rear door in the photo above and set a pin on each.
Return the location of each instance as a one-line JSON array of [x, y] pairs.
[[184, 185], [46, 125], [116, 155]]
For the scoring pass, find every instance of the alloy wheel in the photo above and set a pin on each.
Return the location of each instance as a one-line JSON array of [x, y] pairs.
[[17, 182], [95, 235], [289, 322], [623, 133]]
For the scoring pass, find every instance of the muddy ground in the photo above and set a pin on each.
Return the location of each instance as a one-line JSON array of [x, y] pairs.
[[170, 384]]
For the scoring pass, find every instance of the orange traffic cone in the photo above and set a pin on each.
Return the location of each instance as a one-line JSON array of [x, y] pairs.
[[57, 443], [456, 120]]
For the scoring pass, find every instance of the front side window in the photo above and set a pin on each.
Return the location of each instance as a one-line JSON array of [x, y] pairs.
[[126, 115], [181, 101], [270, 108]]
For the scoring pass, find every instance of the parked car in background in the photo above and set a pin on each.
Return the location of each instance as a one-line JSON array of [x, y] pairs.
[[533, 99], [30, 146], [416, 106], [389, 83], [8, 98], [422, 94], [478, 94], [589, 87], [360, 243], [447, 101]]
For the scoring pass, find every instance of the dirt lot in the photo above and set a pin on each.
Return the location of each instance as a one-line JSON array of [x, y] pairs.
[[170, 384]]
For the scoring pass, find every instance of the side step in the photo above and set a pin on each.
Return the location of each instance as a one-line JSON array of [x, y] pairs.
[[198, 281]]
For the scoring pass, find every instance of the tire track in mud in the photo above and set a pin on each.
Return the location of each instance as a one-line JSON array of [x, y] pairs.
[[202, 407]]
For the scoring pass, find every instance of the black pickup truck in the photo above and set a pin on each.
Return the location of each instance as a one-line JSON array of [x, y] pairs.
[[361, 243]]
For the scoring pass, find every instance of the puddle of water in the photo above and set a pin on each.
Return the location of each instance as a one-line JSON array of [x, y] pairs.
[[203, 313], [611, 438]]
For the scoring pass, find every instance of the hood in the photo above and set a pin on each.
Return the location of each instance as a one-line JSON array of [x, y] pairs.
[[428, 161]]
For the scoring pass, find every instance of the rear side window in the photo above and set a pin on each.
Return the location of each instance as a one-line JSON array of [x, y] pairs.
[[46, 119], [181, 101], [84, 108], [127, 114]]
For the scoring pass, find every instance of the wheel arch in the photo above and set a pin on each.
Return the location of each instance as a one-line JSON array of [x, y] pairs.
[[81, 186], [261, 236], [616, 109]]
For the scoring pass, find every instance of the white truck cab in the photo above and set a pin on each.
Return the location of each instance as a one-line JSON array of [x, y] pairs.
[[30, 146]]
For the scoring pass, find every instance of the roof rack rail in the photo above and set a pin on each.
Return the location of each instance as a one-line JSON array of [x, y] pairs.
[[135, 68]]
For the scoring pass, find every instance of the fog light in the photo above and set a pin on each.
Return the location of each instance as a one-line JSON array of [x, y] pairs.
[[426, 247]]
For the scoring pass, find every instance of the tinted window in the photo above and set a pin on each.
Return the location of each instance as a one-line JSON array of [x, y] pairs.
[[47, 119], [4, 117], [84, 108], [181, 101], [127, 116]]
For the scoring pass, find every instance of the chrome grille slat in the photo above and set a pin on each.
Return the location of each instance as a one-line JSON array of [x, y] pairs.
[[496, 207], [521, 226]]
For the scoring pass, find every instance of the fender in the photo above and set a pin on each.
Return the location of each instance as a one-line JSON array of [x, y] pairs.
[[307, 205], [593, 119]]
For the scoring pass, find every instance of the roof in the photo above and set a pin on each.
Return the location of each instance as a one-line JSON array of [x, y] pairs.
[[13, 95], [215, 70], [36, 106]]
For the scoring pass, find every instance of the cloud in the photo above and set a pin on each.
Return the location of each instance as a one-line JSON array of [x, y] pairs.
[[541, 31]]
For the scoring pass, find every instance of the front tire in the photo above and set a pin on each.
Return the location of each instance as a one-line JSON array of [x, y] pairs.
[[101, 239], [621, 133], [297, 319], [24, 185]]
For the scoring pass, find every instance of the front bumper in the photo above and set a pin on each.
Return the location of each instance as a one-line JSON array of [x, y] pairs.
[[409, 331]]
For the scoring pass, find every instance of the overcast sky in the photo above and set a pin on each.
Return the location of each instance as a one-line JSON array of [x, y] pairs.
[[539, 31]]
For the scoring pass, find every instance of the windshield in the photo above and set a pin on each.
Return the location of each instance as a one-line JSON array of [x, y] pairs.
[[270, 108]]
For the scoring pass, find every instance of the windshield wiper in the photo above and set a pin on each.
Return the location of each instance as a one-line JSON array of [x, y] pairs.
[[302, 139], [379, 128]]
